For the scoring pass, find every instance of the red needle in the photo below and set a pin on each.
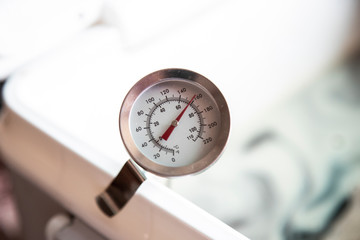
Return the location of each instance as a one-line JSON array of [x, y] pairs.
[[174, 123]]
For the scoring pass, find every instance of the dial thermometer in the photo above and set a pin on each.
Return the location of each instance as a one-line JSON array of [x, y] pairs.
[[174, 122]]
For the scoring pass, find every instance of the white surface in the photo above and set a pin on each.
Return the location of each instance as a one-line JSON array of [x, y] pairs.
[[29, 28], [256, 52], [154, 212], [79, 109], [92, 72]]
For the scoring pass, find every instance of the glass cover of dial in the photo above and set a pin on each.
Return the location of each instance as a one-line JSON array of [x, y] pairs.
[[175, 123]]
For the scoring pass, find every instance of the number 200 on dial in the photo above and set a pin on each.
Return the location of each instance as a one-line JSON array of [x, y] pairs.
[[177, 124]]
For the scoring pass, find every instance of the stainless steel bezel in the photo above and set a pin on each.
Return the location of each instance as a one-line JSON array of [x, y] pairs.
[[153, 79]]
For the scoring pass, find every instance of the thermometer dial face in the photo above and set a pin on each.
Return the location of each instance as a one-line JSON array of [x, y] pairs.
[[174, 122]]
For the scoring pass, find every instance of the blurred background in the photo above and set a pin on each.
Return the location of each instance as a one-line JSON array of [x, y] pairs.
[[290, 71]]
